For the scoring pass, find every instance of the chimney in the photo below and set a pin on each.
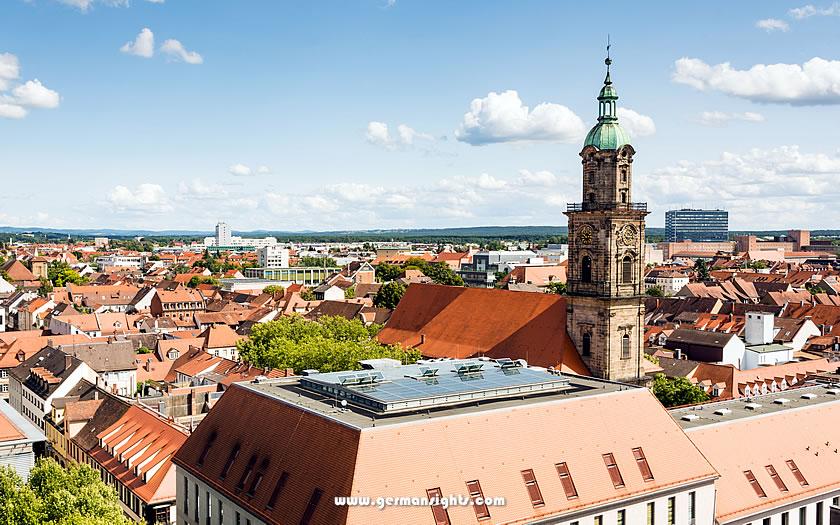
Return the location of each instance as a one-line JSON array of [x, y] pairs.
[[422, 339], [68, 361], [679, 353]]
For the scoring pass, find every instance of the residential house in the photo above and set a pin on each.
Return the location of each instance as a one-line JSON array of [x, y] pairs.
[[181, 303], [20, 441], [113, 362]]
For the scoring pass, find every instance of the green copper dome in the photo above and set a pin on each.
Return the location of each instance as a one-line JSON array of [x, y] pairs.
[[607, 133]]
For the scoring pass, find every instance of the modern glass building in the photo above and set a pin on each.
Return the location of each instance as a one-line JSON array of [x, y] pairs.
[[696, 225]]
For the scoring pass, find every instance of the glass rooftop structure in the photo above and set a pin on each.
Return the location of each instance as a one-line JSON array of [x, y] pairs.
[[433, 384]]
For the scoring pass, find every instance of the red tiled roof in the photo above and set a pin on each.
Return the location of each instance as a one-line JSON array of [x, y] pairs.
[[463, 322]]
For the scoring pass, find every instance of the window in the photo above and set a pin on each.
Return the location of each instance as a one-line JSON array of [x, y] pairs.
[[474, 488], [765, 521], [820, 513], [533, 488], [641, 460], [255, 485], [780, 483], [210, 441], [795, 471], [186, 496], [803, 515], [625, 354], [835, 501], [599, 520], [621, 517], [247, 474], [627, 270], [310, 507], [566, 480], [229, 463], [587, 344], [221, 509], [612, 468], [623, 175], [692, 505], [238, 520], [438, 511], [209, 510], [623, 197], [651, 513], [672, 504], [785, 518], [197, 498], [754, 484], [586, 269], [278, 488]]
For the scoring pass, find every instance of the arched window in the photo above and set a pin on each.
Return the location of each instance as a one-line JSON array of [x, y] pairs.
[[623, 175], [627, 270], [623, 197], [586, 269], [587, 344], [625, 347]]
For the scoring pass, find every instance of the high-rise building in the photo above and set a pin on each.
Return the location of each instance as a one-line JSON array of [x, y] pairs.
[[606, 251], [223, 237], [696, 225]]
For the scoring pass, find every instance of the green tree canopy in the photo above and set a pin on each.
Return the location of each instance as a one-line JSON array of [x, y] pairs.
[[60, 273], [439, 272], [273, 289], [676, 391], [323, 262], [331, 344], [655, 291], [556, 287], [58, 496], [389, 295], [702, 269], [388, 272], [195, 281]]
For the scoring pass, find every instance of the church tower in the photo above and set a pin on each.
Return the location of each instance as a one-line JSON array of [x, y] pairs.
[[606, 251]]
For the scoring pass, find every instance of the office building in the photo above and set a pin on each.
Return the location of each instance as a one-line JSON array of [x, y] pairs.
[[696, 225]]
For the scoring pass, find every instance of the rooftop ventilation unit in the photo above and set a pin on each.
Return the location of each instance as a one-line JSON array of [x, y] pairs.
[[833, 391], [723, 411], [468, 368], [809, 395], [752, 406], [426, 371], [508, 363], [781, 401], [690, 417]]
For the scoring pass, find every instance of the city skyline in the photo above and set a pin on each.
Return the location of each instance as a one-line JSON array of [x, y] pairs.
[[155, 121]]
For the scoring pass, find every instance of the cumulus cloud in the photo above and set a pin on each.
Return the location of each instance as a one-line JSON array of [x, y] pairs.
[[145, 198], [143, 45], [775, 187], [772, 24], [86, 5], [240, 170], [815, 82], [379, 134], [502, 117], [637, 124], [262, 170], [15, 97], [537, 178], [198, 189], [720, 118], [176, 51], [809, 10]]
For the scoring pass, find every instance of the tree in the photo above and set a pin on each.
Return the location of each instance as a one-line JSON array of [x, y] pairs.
[[330, 344], [350, 293], [307, 295], [58, 496], [274, 289], [556, 287], [60, 274], [389, 295], [196, 280], [655, 291], [758, 265], [676, 391], [46, 287], [323, 262], [388, 272], [702, 269]]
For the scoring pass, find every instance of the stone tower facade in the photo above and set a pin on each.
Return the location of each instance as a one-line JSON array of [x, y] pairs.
[[606, 252]]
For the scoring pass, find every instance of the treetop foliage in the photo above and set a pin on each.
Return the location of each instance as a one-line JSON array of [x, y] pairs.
[[676, 391]]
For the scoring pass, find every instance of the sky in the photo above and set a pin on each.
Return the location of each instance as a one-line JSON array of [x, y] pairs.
[[381, 114]]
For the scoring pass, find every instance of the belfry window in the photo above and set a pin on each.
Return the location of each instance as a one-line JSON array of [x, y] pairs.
[[625, 347], [586, 269], [623, 197], [587, 344], [627, 270]]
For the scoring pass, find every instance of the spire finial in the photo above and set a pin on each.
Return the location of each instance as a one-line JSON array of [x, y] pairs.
[[608, 61]]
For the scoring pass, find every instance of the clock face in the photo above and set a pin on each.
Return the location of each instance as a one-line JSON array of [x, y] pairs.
[[585, 235], [627, 235]]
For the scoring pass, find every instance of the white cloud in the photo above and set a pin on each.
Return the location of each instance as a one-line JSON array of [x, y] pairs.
[[240, 170], [502, 117], [775, 188], [34, 94], [198, 189], [815, 82], [9, 70], [145, 198], [379, 134], [177, 51], [142, 46], [85, 5], [156, 1], [14, 101], [537, 178], [720, 118], [772, 24], [12, 111], [807, 11], [637, 124], [262, 170]]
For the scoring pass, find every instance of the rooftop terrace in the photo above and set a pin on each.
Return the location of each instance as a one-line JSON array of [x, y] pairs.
[[811, 394], [437, 388]]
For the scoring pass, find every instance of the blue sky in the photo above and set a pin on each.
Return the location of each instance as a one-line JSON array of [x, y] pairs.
[[287, 115]]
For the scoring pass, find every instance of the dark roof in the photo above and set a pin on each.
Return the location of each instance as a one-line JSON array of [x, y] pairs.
[[104, 357], [335, 308], [111, 409], [673, 367], [45, 371], [697, 337]]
